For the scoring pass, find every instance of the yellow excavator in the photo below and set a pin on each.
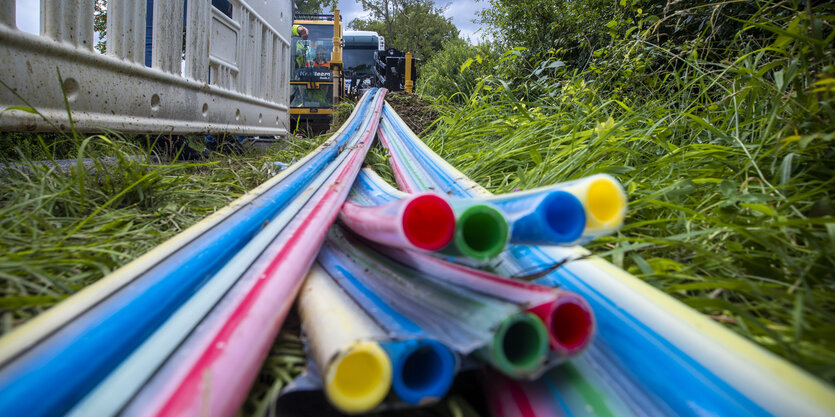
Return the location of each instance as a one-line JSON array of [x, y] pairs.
[[316, 81]]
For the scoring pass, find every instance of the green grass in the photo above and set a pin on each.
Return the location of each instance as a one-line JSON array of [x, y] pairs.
[[60, 232], [729, 168]]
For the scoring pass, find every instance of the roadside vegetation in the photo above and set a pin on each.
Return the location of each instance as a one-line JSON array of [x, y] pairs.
[[718, 119]]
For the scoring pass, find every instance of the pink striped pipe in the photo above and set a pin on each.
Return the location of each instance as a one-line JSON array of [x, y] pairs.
[[221, 360], [566, 315], [405, 182], [421, 221], [511, 398]]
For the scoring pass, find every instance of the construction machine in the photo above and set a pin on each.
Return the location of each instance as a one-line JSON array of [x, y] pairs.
[[331, 64], [359, 54], [367, 63], [316, 82]]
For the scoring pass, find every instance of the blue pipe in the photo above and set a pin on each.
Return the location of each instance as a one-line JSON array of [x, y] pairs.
[[366, 192], [438, 176], [369, 189], [53, 375], [549, 218], [422, 369]]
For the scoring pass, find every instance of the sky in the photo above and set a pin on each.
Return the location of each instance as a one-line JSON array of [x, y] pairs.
[[27, 15], [462, 13]]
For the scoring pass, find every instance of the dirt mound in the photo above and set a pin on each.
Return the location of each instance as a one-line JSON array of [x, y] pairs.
[[416, 112]]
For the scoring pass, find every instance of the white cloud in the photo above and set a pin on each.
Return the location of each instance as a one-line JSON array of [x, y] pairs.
[[463, 14], [350, 10]]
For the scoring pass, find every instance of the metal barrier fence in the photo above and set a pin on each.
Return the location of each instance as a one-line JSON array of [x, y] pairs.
[[228, 74]]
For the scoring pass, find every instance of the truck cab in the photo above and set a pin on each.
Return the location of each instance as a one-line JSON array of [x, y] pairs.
[[360, 69]]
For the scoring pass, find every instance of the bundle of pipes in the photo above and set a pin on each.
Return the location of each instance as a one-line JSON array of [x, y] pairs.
[[406, 290], [433, 308], [396, 261]]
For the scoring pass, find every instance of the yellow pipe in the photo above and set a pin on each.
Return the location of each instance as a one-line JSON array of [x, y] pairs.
[[358, 378], [408, 84], [356, 371], [606, 202]]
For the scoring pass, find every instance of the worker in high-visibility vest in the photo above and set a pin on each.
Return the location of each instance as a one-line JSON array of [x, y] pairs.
[[321, 60], [302, 32]]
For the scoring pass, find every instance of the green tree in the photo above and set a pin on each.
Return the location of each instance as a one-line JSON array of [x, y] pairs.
[[575, 29], [539, 26], [316, 6], [382, 11], [410, 25]]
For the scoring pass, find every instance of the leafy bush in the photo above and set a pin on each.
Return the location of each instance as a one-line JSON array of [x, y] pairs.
[[455, 69]]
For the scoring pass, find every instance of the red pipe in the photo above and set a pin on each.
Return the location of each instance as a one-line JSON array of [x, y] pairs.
[[422, 221]]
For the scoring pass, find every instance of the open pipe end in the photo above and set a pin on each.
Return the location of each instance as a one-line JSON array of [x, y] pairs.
[[606, 202], [428, 222], [564, 216], [423, 371], [520, 345], [481, 232], [570, 323], [359, 378]]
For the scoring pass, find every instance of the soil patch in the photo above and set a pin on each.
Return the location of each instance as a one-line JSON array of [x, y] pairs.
[[416, 112]]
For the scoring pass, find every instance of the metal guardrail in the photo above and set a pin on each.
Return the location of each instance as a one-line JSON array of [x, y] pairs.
[[227, 75]]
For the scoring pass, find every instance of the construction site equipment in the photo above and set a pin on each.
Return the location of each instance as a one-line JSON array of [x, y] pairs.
[[398, 69], [317, 81], [360, 55], [369, 64], [230, 77]]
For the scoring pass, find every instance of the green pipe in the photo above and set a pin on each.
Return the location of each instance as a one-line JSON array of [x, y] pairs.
[[481, 232], [519, 348]]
